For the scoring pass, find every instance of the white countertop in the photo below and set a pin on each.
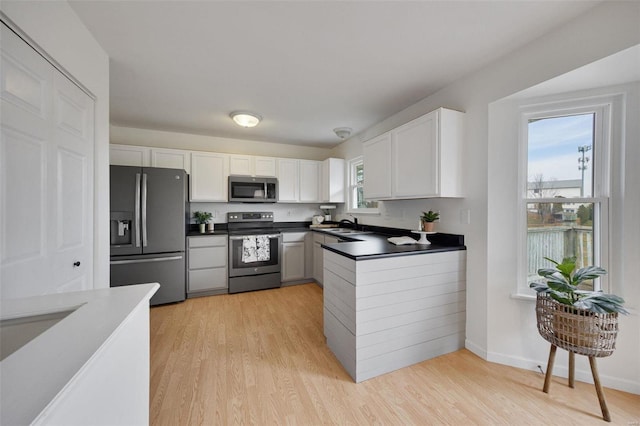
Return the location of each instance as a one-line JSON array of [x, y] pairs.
[[32, 376]]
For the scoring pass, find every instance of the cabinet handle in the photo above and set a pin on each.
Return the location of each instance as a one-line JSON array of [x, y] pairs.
[[76, 263]]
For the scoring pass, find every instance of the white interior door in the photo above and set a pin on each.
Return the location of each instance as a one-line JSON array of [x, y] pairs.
[[46, 187]]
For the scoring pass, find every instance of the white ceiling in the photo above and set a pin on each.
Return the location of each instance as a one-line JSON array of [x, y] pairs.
[[305, 66]]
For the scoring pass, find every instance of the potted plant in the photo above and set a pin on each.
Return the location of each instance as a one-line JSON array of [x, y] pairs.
[[583, 322], [202, 218], [562, 282], [427, 220]]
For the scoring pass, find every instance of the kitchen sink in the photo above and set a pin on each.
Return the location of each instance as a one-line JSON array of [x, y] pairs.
[[17, 332], [343, 231]]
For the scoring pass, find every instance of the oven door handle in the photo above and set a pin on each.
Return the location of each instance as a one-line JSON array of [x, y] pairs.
[[240, 237]]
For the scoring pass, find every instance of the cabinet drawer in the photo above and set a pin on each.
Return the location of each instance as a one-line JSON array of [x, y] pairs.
[[207, 279], [207, 257], [292, 237], [318, 237], [208, 241]]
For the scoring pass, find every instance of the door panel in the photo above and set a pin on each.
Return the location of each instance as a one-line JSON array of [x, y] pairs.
[[168, 271], [72, 155], [166, 218], [122, 193], [25, 122]]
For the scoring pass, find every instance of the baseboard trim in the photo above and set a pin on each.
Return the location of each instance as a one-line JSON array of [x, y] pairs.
[[476, 349], [563, 371]]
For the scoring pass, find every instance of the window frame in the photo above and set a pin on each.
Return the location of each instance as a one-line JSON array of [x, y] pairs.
[[351, 188], [601, 163]]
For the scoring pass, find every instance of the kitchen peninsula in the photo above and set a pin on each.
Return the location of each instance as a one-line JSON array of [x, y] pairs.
[[387, 307], [90, 366]]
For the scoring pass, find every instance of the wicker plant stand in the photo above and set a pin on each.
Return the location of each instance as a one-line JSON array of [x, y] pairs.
[[577, 331]]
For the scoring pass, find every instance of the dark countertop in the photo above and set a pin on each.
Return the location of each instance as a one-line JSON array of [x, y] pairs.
[[371, 245], [374, 245], [199, 234]]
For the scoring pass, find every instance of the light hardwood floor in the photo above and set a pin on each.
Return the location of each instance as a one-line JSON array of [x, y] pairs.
[[260, 358]]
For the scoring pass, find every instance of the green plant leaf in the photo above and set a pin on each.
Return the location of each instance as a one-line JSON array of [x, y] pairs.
[[587, 273], [561, 299]]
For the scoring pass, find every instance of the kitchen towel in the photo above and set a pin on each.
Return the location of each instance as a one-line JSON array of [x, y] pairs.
[[256, 248], [401, 240]]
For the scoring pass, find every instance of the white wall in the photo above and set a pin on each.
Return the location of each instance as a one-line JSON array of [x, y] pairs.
[[162, 139], [516, 342], [602, 31], [55, 27]]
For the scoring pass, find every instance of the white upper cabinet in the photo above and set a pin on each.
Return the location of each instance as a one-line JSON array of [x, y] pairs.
[[128, 155], [209, 174], [250, 165], [309, 181], [288, 180], [298, 181], [264, 166], [171, 158], [420, 159], [332, 180], [414, 147], [377, 167]]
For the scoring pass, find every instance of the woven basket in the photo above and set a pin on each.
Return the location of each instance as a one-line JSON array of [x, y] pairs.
[[576, 330]]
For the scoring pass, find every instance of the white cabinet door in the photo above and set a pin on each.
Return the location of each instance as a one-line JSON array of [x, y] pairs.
[[249, 165], [46, 165], [293, 260], [127, 155], [241, 165], [309, 181], [288, 180], [415, 156], [264, 166], [332, 181], [171, 159], [420, 159], [377, 166], [209, 174]]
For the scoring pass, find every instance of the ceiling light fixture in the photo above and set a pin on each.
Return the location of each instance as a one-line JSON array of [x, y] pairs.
[[245, 118], [342, 132]]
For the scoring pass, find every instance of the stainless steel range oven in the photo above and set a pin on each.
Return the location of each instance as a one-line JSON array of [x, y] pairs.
[[255, 251]]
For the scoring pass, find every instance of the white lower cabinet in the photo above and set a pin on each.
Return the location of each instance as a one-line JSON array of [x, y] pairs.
[[207, 265], [293, 256], [318, 240]]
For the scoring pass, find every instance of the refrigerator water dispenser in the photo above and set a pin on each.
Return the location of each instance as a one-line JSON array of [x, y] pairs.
[[121, 225]]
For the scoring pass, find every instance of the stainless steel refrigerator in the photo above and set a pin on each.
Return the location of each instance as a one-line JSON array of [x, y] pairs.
[[149, 216]]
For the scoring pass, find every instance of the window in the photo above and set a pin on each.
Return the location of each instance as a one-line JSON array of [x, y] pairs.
[[357, 203], [565, 191]]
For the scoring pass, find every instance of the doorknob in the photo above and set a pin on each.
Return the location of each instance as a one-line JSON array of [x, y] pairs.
[[76, 263]]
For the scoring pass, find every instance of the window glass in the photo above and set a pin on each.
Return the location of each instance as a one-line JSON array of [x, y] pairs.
[[559, 230], [357, 201], [560, 164], [554, 145]]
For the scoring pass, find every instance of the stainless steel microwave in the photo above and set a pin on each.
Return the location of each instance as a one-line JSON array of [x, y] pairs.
[[247, 189]]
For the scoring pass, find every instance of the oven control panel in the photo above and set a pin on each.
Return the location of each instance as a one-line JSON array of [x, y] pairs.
[[249, 217]]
